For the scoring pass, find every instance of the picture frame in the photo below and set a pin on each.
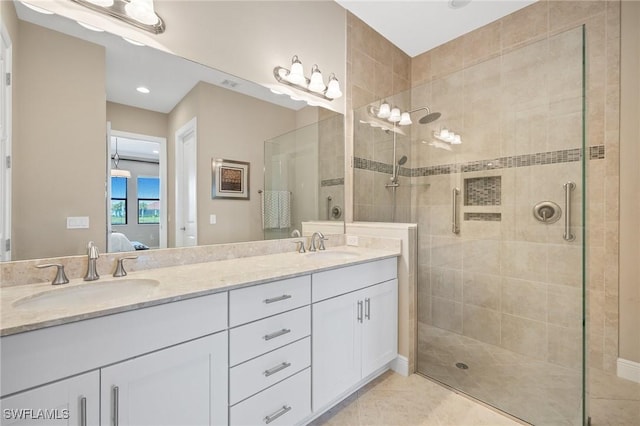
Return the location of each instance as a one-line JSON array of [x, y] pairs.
[[230, 179]]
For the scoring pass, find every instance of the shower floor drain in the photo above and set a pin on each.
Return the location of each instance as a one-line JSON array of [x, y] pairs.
[[462, 366]]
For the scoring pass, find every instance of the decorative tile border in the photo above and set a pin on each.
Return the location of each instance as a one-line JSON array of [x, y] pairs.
[[332, 182], [484, 217], [596, 152]]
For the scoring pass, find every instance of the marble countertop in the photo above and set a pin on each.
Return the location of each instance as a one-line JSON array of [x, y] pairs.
[[173, 284]]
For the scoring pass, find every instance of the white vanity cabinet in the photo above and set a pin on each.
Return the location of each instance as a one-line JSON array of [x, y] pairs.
[[270, 353], [168, 363], [182, 385], [355, 332], [73, 401]]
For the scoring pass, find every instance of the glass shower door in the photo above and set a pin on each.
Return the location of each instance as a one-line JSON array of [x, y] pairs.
[[501, 295]]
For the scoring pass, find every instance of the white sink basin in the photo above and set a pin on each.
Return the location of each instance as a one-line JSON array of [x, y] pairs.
[[333, 254], [86, 293]]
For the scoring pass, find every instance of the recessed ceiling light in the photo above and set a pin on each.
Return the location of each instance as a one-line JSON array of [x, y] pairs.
[[90, 27], [37, 8], [458, 4], [143, 89], [135, 43]]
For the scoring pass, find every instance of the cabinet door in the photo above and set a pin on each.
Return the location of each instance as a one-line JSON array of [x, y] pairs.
[[182, 385], [74, 401], [336, 348], [380, 327]]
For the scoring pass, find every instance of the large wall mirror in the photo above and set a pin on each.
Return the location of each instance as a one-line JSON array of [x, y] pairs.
[[96, 159]]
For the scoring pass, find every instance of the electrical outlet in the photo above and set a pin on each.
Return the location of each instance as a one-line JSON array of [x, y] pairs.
[[352, 240]]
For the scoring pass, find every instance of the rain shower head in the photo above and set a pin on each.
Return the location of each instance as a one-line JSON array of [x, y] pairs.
[[429, 118]]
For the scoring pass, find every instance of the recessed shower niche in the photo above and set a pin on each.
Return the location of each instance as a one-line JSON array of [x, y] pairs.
[[482, 192]]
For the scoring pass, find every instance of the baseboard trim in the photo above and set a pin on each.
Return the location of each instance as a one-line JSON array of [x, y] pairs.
[[400, 365], [629, 370]]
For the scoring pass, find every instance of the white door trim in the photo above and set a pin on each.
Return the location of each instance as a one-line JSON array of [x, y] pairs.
[[5, 145], [163, 177]]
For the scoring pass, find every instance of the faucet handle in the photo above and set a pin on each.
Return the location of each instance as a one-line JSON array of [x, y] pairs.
[[61, 277], [321, 241], [120, 272], [300, 247]]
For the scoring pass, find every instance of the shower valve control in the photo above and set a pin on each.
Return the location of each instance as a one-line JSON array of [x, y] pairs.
[[547, 212]]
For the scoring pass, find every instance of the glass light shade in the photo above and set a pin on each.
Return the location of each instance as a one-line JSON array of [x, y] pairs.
[[333, 90], [395, 115], [142, 11], [457, 140], [103, 3], [405, 119], [444, 134], [316, 84], [296, 75], [384, 111]]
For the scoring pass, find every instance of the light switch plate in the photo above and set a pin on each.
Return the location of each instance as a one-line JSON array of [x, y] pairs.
[[78, 222], [213, 219], [352, 240]]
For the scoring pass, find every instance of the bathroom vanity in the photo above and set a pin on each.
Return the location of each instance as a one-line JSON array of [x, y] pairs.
[[243, 342]]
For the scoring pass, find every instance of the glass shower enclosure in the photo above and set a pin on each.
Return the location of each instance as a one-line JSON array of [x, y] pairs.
[[500, 217]]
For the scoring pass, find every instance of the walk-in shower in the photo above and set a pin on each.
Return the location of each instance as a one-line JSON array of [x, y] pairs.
[[500, 292]]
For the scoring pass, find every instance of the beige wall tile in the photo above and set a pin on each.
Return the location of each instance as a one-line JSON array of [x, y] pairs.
[[565, 13], [565, 346], [524, 336], [526, 299], [525, 25], [481, 324], [446, 314], [482, 290]]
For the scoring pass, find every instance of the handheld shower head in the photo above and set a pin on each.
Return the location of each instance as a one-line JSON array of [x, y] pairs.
[[402, 160], [396, 169]]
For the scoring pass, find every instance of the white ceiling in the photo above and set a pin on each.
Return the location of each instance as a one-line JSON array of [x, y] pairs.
[[420, 25]]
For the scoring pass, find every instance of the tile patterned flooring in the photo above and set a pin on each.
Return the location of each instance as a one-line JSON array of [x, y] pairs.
[[518, 386]]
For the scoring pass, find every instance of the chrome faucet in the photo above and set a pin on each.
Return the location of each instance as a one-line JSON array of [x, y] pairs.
[[321, 239], [295, 233], [92, 254], [61, 277]]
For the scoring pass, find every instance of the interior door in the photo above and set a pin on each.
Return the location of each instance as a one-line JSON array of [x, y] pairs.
[[186, 186]]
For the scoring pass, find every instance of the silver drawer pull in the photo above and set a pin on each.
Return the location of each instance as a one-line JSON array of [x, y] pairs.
[[277, 368], [277, 299], [115, 409], [83, 411], [277, 334], [284, 410]]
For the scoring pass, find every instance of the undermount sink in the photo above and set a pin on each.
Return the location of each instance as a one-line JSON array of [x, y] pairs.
[[333, 254], [87, 293]]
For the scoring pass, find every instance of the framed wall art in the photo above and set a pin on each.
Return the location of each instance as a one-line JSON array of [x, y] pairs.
[[230, 179]]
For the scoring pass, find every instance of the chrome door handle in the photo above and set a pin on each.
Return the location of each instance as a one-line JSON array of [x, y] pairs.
[[276, 334], [115, 405], [455, 228], [271, 417], [277, 299], [568, 187], [359, 310], [83, 411], [367, 308], [276, 369]]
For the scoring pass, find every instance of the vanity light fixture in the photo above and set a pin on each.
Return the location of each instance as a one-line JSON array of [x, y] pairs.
[[315, 85], [447, 136], [116, 171], [139, 13]]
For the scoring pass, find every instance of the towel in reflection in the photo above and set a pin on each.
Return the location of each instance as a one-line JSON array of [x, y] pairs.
[[276, 209]]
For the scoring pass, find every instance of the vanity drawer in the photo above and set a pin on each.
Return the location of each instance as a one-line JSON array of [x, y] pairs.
[[259, 373], [260, 301], [251, 340], [287, 403], [339, 281]]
